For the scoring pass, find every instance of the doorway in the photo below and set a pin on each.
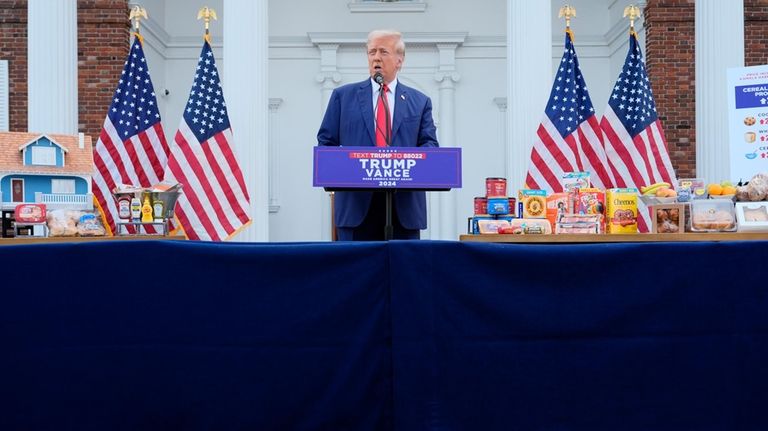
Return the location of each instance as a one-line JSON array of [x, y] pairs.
[[17, 190]]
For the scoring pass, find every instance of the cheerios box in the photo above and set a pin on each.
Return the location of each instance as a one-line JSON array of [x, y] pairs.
[[621, 210], [532, 203]]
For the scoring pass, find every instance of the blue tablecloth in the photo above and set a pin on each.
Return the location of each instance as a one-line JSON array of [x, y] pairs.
[[405, 335]]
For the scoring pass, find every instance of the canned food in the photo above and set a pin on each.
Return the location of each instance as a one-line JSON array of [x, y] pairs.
[[495, 187], [512, 205], [481, 205], [498, 206]]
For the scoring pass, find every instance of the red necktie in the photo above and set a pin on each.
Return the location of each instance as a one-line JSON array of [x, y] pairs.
[[383, 129]]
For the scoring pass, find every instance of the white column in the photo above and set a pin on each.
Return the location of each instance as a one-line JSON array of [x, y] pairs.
[[501, 130], [529, 79], [52, 66], [447, 77], [719, 45], [329, 78], [246, 44], [274, 156]]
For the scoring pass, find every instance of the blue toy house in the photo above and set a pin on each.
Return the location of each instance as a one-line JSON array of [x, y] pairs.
[[51, 169]]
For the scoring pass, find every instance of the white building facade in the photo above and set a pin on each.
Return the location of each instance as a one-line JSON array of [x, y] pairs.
[[487, 66]]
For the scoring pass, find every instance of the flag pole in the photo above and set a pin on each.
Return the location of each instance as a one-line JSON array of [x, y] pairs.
[[137, 13], [206, 14], [633, 12]]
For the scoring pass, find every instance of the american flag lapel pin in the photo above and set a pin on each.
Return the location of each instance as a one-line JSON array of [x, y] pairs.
[[402, 96]]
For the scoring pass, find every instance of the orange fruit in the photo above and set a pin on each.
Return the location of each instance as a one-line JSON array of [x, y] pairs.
[[715, 189], [729, 190]]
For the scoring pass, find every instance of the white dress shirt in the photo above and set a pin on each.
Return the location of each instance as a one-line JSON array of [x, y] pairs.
[[375, 88]]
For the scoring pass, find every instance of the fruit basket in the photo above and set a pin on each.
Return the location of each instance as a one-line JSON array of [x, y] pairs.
[[657, 194]]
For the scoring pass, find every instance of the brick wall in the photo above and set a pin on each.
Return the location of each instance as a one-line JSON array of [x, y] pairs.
[[103, 32], [670, 56], [102, 45], [670, 59], [13, 47], [755, 32]]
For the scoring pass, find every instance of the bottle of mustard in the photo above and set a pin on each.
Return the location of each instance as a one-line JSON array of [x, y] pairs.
[[146, 211]]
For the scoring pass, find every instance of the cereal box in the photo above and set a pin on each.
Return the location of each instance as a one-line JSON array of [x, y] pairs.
[[557, 203], [532, 204], [575, 180], [590, 201], [621, 214]]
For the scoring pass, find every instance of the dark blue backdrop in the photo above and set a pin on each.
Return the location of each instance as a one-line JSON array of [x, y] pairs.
[[405, 335]]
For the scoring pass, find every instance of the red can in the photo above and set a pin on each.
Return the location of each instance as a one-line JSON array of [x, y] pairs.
[[481, 205], [512, 206], [495, 187]]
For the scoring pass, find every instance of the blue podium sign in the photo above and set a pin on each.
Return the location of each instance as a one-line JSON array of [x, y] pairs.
[[387, 168]]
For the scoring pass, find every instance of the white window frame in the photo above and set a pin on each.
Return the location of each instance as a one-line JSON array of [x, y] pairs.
[[63, 186], [44, 156]]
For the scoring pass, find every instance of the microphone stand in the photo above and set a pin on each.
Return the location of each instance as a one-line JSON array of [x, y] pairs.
[[388, 227]]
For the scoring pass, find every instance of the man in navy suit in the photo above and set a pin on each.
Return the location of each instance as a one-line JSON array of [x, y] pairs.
[[350, 119]]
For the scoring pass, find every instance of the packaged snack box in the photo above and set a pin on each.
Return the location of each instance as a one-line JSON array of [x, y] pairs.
[[491, 226], [473, 226], [579, 223], [532, 204], [697, 187], [668, 218], [713, 215], [557, 203], [621, 206], [590, 201], [527, 227], [575, 180]]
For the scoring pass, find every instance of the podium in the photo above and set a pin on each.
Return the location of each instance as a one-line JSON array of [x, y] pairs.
[[386, 169]]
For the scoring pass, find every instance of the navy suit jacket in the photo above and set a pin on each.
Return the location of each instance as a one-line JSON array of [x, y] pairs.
[[349, 121]]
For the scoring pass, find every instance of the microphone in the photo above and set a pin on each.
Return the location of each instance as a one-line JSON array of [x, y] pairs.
[[379, 78]]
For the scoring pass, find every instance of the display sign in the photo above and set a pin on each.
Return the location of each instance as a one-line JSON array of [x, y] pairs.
[[748, 121], [423, 168]]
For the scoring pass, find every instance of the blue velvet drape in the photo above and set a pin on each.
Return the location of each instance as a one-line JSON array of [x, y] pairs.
[[405, 335]]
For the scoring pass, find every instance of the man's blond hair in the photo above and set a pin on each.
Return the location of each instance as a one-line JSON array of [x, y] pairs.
[[399, 44]]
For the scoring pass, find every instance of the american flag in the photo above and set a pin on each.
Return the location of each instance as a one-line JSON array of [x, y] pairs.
[[131, 148], [214, 204], [634, 139], [569, 137]]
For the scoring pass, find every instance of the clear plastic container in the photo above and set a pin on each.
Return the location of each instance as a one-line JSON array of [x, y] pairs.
[[713, 215]]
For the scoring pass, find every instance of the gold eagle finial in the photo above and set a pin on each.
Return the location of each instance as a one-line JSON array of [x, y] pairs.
[[207, 14], [633, 12], [568, 12], [137, 13]]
